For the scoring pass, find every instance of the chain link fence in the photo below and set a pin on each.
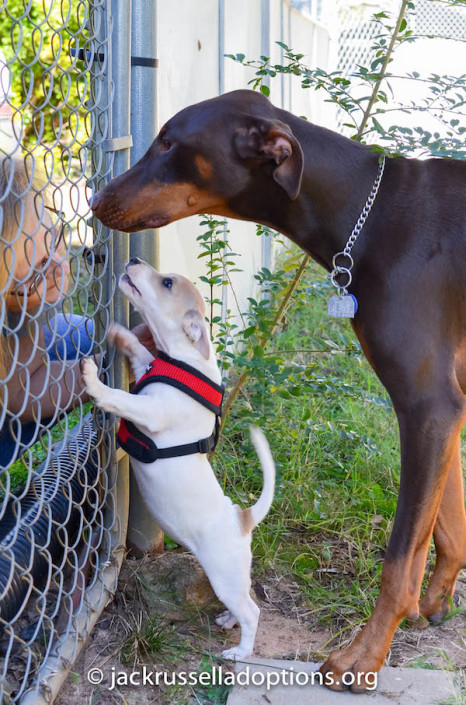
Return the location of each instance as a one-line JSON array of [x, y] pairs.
[[77, 79], [63, 506], [437, 16]]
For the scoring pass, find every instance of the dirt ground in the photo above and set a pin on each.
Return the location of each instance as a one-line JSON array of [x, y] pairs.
[[163, 616]]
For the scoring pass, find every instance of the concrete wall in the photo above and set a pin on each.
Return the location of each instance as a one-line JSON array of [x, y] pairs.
[[192, 68]]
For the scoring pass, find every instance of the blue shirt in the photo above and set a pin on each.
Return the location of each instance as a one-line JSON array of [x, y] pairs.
[[66, 337]]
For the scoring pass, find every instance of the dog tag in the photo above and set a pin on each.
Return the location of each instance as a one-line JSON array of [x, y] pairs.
[[342, 306]]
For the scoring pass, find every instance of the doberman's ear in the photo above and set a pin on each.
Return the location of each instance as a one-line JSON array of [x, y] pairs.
[[195, 330], [273, 140]]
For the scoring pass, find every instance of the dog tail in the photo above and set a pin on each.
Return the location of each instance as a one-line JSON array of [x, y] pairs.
[[259, 510]]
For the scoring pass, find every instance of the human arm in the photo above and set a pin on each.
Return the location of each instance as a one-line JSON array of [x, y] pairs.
[[37, 386]]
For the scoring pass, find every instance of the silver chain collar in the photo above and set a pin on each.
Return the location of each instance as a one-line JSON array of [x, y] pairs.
[[339, 269]]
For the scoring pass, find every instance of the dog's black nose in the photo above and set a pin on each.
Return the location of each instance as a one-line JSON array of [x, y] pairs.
[[135, 260]]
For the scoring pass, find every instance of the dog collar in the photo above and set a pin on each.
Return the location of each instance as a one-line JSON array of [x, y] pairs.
[[345, 305], [188, 380]]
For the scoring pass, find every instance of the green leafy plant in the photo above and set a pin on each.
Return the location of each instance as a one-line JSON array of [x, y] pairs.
[[49, 85], [367, 95]]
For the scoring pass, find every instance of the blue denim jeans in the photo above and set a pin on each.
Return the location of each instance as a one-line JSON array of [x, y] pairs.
[[67, 337]]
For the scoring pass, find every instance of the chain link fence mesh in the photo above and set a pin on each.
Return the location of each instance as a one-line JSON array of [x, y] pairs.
[[439, 18], [59, 521]]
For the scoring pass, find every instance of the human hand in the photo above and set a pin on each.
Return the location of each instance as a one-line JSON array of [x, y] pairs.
[[143, 334]]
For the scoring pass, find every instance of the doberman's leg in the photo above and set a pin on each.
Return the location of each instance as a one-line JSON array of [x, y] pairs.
[[450, 545], [429, 434]]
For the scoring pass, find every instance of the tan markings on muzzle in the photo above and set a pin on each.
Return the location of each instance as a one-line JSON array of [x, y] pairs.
[[173, 201]]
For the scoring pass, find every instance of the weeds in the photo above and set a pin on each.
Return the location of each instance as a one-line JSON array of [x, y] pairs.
[[335, 448], [148, 637]]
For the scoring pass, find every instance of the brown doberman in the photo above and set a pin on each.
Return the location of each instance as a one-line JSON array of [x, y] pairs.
[[239, 156]]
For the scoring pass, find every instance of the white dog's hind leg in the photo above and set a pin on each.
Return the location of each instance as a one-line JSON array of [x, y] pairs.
[[248, 618], [226, 620], [227, 563]]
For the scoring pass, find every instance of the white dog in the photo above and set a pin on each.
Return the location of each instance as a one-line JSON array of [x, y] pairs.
[[168, 418]]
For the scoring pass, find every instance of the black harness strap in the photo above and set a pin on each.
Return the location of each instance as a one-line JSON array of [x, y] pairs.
[[188, 380]]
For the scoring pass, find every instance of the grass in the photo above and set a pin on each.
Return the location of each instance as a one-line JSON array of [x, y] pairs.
[[149, 638]]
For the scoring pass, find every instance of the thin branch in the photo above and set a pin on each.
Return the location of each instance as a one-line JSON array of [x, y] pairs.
[[329, 351], [233, 395], [227, 274], [383, 70]]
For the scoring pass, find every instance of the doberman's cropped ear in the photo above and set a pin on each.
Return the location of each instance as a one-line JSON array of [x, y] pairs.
[[195, 330], [273, 140]]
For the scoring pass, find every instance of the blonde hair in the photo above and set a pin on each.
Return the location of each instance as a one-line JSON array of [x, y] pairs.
[[23, 186]]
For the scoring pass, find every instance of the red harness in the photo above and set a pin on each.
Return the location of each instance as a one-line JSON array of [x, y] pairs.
[[196, 385]]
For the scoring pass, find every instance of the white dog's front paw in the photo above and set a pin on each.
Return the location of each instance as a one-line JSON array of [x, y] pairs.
[[236, 653], [121, 337], [90, 377]]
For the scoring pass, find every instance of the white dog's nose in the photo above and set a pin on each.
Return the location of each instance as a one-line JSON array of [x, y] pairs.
[[135, 260]]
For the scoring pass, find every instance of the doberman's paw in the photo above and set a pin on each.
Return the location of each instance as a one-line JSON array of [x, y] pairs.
[[434, 611], [418, 622], [351, 669]]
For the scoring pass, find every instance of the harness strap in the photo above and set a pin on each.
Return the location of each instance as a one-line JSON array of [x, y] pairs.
[[188, 380], [143, 448], [184, 377]]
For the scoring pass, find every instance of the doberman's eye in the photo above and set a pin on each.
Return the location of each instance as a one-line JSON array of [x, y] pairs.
[[168, 283], [165, 144]]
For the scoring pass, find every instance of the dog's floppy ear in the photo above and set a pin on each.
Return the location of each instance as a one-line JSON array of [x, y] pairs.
[[195, 330], [273, 140]]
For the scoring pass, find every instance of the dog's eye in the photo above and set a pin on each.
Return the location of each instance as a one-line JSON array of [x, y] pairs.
[[167, 283], [165, 144]]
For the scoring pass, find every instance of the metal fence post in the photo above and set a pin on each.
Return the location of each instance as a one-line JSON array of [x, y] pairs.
[[221, 89], [120, 144], [144, 106], [143, 532], [265, 51], [121, 129]]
